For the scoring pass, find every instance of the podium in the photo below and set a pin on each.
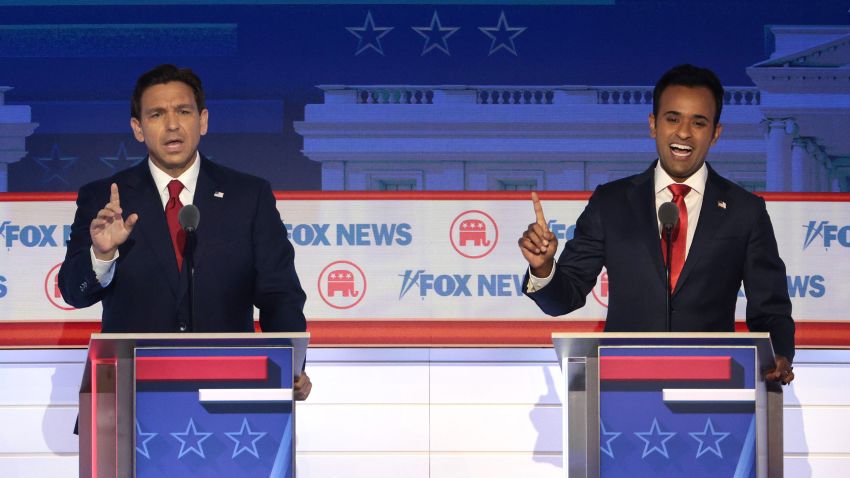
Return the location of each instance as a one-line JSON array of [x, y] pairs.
[[669, 404], [206, 405]]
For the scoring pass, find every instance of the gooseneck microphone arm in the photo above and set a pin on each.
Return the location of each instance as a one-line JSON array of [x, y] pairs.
[[668, 215], [189, 218]]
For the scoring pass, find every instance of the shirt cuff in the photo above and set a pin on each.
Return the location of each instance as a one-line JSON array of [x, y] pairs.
[[103, 270], [537, 283]]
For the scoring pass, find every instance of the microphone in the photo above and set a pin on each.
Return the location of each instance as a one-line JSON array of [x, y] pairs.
[[189, 217], [668, 215]]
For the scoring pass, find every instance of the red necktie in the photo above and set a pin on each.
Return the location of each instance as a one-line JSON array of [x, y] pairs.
[[679, 234], [172, 209]]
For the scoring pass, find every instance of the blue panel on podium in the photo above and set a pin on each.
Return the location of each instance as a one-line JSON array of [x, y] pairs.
[[677, 411], [214, 412]]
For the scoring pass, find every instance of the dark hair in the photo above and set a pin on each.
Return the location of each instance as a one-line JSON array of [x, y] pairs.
[[161, 75], [692, 77]]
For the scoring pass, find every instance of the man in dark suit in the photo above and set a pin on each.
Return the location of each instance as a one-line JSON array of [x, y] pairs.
[[723, 236], [127, 249]]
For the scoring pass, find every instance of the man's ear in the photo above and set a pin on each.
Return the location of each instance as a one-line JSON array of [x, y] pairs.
[[205, 117], [717, 130], [651, 125], [136, 126]]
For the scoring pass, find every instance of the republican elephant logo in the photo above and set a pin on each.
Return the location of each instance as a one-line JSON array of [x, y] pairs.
[[474, 231], [600, 290], [473, 234], [341, 281], [342, 284]]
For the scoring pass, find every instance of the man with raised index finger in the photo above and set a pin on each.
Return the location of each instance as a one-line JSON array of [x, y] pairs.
[[126, 246], [723, 236]]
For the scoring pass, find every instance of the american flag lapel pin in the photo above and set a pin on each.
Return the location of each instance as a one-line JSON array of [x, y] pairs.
[[220, 194], [721, 204]]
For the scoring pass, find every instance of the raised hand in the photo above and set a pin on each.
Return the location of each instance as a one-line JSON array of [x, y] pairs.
[[538, 244], [109, 229]]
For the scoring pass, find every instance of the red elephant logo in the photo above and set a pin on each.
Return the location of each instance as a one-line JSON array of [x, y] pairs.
[[474, 234], [341, 281], [342, 284], [475, 231]]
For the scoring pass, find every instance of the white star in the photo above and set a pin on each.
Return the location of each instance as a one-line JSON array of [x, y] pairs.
[[435, 35], [611, 436], [196, 445], [654, 433], [240, 441], [709, 435], [369, 36], [503, 31], [142, 440]]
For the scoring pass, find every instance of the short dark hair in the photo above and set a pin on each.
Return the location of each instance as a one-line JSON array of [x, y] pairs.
[[161, 75], [692, 77]]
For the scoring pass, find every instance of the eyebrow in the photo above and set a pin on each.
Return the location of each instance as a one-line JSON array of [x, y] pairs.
[[676, 113], [157, 109]]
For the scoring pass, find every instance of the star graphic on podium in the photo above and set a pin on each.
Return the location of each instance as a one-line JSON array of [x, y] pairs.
[[245, 440], [369, 36], [655, 435], [435, 35], [193, 438], [709, 435], [142, 440], [502, 35], [610, 437]]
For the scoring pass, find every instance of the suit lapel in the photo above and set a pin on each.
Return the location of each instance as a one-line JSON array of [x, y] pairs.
[[711, 216], [642, 201], [142, 195]]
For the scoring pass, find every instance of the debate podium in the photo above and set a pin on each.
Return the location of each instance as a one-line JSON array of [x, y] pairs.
[[669, 405], [205, 405]]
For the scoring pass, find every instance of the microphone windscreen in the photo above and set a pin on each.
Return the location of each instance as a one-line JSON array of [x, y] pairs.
[[668, 214], [189, 217]]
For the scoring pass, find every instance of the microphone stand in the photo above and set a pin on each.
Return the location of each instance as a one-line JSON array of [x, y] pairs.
[[668, 233], [190, 264]]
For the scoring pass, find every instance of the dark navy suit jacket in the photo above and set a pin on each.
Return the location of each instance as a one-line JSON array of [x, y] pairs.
[[733, 244], [243, 258]]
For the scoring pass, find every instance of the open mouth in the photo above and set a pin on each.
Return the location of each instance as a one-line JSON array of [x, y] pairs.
[[174, 144], [681, 150]]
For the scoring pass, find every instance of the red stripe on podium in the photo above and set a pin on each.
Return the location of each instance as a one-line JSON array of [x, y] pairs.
[[201, 368], [665, 368], [407, 332]]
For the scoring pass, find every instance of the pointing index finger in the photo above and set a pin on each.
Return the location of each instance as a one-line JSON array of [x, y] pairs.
[[113, 195], [538, 210]]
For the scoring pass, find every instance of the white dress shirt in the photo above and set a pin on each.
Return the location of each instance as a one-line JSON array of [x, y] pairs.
[[693, 202], [105, 270]]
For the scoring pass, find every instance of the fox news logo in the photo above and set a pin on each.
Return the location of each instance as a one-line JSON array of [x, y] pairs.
[[4, 289], [802, 286], [460, 285], [822, 232], [33, 235], [350, 234]]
